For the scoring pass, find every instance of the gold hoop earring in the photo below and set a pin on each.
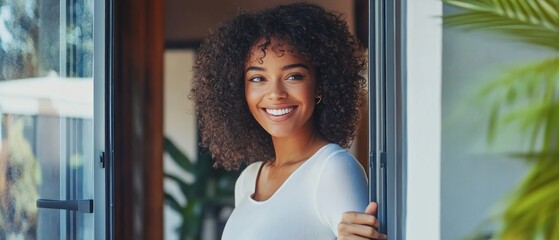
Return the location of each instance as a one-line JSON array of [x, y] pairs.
[[319, 99]]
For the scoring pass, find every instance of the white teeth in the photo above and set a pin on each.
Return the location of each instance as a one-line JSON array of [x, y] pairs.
[[279, 112]]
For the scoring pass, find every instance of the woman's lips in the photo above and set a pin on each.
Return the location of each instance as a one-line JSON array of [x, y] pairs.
[[279, 114], [279, 111]]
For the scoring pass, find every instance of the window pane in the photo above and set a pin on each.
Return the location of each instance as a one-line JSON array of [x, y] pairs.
[[46, 110], [490, 91]]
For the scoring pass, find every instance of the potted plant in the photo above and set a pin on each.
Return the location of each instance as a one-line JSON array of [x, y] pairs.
[[207, 195]]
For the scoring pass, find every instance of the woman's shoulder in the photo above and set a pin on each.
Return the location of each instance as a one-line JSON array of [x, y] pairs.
[[249, 173], [337, 160], [246, 182], [251, 170], [335, 154]]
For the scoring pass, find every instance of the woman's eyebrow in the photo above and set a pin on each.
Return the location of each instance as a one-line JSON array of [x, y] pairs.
[[253, 68], [296, 65], [286, 67]]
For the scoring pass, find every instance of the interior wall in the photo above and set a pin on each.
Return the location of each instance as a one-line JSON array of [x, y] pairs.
[[179, 127], [189, 21]]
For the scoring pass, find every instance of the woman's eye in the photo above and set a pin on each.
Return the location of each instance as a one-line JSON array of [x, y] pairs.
[[255, 79], [295, 77]]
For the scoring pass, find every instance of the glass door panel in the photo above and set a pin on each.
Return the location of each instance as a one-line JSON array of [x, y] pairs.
[[498, 95], [46, 115]]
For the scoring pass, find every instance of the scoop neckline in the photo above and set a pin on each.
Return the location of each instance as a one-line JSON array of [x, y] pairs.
[[311, 158]]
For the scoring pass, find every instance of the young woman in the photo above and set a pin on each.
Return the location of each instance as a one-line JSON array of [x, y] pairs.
[[280, 90]]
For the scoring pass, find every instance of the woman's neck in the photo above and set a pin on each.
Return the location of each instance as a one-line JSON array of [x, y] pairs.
[[298, 147]]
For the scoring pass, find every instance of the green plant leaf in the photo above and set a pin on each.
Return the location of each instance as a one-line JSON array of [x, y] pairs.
[[540, 196], [193, 214], [516, 98], [492, 127], [534, 205], [526, 116], [172, 202], [178, 156], [535, 22], [186, 188], [207, 180]]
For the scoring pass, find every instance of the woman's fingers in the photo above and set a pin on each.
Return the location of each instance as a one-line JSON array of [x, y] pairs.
[[371, 208], [360, 225], [360, 218], [357, 231]]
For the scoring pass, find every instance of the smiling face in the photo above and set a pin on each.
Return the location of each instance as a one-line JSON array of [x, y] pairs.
[[280, 89]]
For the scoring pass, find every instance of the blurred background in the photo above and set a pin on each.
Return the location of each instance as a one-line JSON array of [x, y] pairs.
[[500, 120]]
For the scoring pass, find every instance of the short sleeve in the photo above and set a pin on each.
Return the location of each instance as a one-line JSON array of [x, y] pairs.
[[341, 187]]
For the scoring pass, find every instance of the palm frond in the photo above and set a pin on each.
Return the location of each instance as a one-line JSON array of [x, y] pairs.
[[535, 22], [527, 97], [533, 212]]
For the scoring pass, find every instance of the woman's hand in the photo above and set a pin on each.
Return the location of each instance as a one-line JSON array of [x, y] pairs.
[[357, 225]]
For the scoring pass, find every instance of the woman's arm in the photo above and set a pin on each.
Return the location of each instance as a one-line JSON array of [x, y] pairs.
[[342, 195]]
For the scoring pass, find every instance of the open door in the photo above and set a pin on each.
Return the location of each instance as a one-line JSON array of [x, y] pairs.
[[53, 120]]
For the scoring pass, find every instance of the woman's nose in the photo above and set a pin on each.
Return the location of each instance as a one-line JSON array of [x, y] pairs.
[[277, 91]]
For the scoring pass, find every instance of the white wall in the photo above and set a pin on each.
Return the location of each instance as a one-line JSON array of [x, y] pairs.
[[423, 79], [179, 125]]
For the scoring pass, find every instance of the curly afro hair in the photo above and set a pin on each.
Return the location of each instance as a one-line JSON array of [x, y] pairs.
[[227, 127]]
